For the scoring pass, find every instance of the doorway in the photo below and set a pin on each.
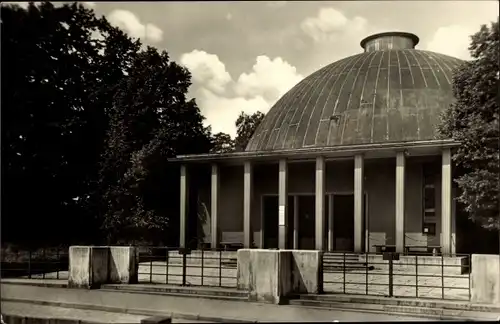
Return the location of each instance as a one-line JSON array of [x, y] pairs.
[[343, 221], [270, 210]]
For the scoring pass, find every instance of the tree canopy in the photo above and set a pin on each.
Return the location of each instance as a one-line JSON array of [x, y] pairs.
[[473, 120], [92, 119]]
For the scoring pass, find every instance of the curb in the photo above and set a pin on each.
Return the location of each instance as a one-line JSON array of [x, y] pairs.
[[145, 312], [392, 310]]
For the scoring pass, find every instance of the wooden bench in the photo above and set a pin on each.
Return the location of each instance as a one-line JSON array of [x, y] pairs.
[[232, 241], [379, 248], [408, 249], [419, 248]]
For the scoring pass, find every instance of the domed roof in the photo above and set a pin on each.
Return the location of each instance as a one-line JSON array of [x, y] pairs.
[[390, 93]]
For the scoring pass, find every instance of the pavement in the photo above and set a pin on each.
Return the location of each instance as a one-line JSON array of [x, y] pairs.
[[20, 298]]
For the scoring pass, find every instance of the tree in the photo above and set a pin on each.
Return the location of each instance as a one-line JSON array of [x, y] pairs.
[[222, 143], [246, 126], [473, 120], [150, 121], [59, 69]]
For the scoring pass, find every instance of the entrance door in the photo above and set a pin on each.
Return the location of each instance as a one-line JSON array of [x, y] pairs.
[[271, 222], [343, 222], [307, 215]]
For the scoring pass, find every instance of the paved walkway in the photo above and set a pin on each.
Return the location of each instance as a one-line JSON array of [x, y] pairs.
[[39, 311], [235, 310]]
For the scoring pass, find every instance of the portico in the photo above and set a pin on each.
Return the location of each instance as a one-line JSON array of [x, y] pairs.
[[375, 193]]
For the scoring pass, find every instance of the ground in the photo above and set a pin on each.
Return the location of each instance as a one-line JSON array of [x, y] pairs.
[[235, 310]]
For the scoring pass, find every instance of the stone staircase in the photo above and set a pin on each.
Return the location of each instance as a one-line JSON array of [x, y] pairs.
[[335, 262]]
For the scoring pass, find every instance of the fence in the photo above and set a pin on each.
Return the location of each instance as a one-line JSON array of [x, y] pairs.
[[205, 267], [394, 275], [44, 263]]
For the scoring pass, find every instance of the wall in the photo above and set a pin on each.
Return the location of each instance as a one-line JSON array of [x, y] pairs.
[[379, 174]]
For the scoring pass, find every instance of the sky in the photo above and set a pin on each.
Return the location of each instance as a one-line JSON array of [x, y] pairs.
[[243, 56]]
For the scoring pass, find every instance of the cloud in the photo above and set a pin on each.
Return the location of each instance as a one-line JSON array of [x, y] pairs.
[[221, 98], [451, 40], [207, 70], [276, 4], [131, 24], [269, 79], [89, 4], [221, 112], [229, 16], [330, 22]]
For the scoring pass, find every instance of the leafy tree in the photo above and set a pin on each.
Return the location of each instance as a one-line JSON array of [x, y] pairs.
[[246, 126], [222, 143], [474, 121], [59, 67], [150, 121]]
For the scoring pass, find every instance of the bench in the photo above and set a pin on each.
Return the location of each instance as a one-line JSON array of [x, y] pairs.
[[380, 248], [435, 249], [232, 241]]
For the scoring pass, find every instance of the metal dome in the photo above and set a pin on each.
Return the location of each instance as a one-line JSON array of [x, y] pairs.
[[390, 93]]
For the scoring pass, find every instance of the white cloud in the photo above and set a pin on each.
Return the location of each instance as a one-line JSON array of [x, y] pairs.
[[276, 4], [269, 79], [221, 99], [131, 24], [452, 40], [221, 112], [330, 22], [89, 4], [207, 69]]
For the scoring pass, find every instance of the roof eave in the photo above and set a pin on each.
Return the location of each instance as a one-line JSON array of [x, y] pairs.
[[372, 149]]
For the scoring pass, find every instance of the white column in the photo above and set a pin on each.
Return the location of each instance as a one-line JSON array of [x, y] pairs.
[[214, 206], [283, 204], [331, 237], [247, 205], [295, 222], [320, 202], [358, 202], [184, 207], [446, 201], [400, 202]]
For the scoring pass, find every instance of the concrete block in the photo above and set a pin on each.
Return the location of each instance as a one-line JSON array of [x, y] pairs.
[[243, 269], [123, 265], [376, 238], [306, 271], [266, 274], [88, 266], [485, 279]]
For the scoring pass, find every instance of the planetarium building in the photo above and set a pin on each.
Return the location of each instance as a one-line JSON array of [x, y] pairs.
[[347, 160]]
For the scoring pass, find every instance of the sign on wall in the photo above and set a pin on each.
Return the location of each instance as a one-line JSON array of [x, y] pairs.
[[281, 215]]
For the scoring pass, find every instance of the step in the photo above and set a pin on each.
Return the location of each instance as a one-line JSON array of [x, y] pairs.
[[414, 302], [228, 293], [438, 313]]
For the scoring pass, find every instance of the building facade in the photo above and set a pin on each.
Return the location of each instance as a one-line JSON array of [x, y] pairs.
[[347, 160]]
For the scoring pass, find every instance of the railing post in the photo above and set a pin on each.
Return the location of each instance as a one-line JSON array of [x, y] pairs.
[[166, 267], [202, 266], [442, 276], [416, 276], [44, 262], [29, 264], [343, 269], [220, 268], [184, 261], [391, 287], [151, 266]]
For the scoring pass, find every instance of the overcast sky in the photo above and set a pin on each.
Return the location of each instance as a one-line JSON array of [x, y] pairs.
[[245, 55]]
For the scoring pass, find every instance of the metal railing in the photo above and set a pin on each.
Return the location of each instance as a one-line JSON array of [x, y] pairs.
[[392, 274], [44, 263], [203, 267]]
